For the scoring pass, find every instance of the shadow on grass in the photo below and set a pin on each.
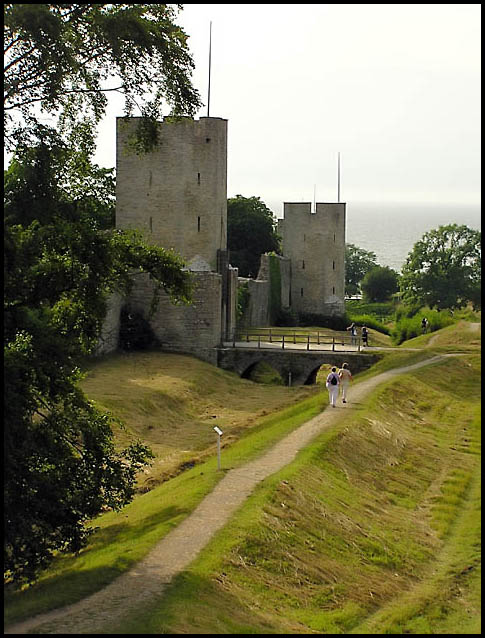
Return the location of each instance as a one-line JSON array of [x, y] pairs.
[[74, 577], [195, 604]]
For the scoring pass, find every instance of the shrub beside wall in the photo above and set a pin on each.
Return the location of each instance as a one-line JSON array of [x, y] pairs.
[[242, 300], [275, 288], [135, 331]]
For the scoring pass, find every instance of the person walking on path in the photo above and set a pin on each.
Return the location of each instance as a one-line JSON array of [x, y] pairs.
[[365, 336], [333, 382], [353, 333], [345, 379], [424, 325]]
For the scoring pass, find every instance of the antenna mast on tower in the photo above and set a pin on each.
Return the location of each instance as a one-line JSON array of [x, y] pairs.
[[338, 178], [210, 51]]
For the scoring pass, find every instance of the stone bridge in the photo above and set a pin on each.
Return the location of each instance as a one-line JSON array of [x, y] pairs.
[[296, 367]]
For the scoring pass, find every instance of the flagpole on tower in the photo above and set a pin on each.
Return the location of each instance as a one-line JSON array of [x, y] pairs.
[[210, 52], [338, 178]]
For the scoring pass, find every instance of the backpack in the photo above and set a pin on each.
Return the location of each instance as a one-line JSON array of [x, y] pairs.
[[333, 380]]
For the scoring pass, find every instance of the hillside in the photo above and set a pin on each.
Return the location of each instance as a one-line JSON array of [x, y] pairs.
[[171, 402], [374, 528]]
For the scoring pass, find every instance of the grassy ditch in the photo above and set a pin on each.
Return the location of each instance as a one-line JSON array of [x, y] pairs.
[[373, 529], [125, 537], [171, 403]]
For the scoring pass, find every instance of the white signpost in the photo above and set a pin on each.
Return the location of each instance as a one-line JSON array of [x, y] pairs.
[[219, 434]]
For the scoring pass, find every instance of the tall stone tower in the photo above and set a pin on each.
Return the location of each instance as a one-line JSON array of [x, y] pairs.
[[176, 196], [315, 243]]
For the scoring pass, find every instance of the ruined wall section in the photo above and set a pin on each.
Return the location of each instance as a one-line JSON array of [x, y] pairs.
[[110, 332], [264, 292], [194, 329], [315, 244]]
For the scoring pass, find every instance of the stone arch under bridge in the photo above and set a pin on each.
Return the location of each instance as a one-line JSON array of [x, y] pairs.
[[301, 366]]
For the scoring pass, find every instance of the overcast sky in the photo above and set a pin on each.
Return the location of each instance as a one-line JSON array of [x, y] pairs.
[[395, 88]]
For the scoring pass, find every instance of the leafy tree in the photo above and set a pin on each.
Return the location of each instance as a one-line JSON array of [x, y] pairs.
[[251, 232], [444, 269], [380, 283], [67, 58], [358, 262], [63, 257], [61, 466]]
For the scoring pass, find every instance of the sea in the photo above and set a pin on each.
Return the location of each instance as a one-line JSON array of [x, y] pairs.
[[391, 230]]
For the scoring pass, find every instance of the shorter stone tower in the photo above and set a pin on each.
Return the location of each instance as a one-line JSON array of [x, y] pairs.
[[315, 243]]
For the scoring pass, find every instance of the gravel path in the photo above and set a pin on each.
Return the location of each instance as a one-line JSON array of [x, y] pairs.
[[181, 546]]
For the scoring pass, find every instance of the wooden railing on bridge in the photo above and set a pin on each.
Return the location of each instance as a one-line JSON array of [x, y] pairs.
[[321, 338]]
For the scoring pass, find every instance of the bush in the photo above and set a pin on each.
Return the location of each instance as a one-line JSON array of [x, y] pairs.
[[135, 331], [242, 300], [380, 283], [409, 325], [286, 317], [377, 309], [324, 321], [370, 322]]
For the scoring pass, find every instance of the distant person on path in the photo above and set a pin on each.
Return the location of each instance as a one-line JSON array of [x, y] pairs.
[[424, 325], [333, 381], [365, 336], [353, 333], [345, 379]]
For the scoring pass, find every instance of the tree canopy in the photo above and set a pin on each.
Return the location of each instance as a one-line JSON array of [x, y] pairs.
[[380, 283], [251, 232], [65, 59], [63, 258], [357, 263], [444, 269]]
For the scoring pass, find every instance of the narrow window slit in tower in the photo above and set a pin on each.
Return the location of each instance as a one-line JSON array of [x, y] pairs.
[[333, 264], [198, 178], [334, 237], [301, 292], [333, 290], [198, 224], [303, 264], [151, 224]]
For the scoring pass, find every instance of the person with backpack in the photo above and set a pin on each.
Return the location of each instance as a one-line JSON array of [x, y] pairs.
[[332, 383], [365, 336], [345, 379]]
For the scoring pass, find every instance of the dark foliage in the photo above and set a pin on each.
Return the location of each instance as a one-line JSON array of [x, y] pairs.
[[251, 232]]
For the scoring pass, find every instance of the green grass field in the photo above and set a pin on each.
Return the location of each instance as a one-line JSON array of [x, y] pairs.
[[373, 529]]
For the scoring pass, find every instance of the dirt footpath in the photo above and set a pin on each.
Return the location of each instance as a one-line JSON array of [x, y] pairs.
[[182, 545]]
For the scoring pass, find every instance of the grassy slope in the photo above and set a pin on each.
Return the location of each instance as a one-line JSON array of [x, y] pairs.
[[122, 538], [172, 402], [374, 529], [238, 591]]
